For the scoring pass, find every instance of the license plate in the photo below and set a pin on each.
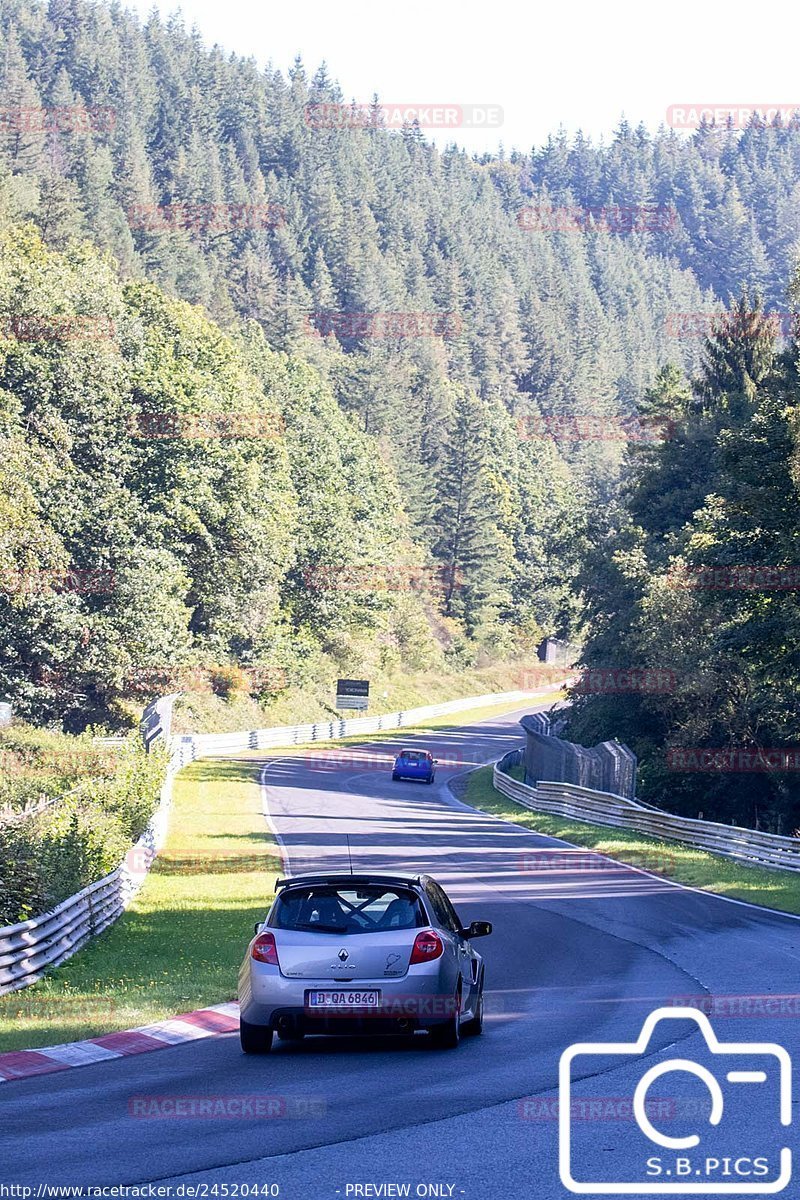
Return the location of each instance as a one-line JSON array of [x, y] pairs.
[[339, 999]]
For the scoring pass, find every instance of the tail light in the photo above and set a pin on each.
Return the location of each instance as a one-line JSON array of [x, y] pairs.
[[427, 946], [264, 949]]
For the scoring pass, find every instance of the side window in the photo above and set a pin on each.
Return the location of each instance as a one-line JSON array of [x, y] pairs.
[[445, 913]]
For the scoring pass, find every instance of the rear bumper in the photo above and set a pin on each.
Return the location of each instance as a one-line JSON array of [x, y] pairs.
[[293, 1020], [414, 1002]]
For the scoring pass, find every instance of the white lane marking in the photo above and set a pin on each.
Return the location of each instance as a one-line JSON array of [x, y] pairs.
[[454, 802], [284, 852]]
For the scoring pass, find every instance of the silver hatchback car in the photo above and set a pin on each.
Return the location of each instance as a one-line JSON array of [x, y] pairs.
[[367, 953]]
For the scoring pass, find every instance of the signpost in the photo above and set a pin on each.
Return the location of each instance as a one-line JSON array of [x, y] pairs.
[[157, 720], [352, 693]]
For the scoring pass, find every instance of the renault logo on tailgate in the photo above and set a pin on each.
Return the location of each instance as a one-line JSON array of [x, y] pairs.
[[343, 955]]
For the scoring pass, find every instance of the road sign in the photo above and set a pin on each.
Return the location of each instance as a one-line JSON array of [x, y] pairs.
[[352, 693], [5, 713], [157, 720]]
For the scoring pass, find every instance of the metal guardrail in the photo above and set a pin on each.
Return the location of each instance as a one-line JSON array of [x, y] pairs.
[[28, 948], [192, 746], [603, 808]]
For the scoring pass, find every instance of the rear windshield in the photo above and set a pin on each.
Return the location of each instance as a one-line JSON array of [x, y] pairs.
[[414, 756], [328, 909]]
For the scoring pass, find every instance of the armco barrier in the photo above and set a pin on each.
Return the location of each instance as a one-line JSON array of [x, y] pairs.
[[31, 946], [207, 745], [603, 808]]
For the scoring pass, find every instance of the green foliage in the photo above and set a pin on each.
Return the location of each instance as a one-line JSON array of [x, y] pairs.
[[102, 802], [371, 221], [722, 496]]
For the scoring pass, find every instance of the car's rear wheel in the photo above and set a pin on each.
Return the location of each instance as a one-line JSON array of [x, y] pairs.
[[474, 1026], [255, 1039], [395, 776], [448, 1035]]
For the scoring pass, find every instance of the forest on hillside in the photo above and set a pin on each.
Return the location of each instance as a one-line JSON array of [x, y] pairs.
[[255, 371]]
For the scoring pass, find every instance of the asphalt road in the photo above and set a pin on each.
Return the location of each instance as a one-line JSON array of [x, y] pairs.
[[583, 950]]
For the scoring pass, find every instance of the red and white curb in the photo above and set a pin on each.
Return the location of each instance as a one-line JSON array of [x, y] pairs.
[[188, 1027]]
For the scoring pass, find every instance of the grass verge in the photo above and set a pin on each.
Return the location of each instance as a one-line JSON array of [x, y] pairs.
[[771, 888], [179, 945]]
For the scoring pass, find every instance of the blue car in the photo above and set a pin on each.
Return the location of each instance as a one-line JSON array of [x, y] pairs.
[[414, 764]]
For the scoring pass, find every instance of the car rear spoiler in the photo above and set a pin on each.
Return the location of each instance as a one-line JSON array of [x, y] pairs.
[[339, 878]]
